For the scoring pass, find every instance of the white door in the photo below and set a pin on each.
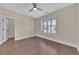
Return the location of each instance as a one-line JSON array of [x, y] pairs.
[[1, 31], [5, 29]]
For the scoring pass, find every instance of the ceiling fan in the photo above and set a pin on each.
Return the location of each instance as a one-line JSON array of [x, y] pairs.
[[35, 7]]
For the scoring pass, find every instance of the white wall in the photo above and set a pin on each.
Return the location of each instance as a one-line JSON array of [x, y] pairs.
[[66, 26], [24, 25]]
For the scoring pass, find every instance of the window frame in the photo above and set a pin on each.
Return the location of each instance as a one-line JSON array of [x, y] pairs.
[[48, 26]]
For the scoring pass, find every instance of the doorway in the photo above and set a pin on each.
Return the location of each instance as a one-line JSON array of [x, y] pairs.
[[11, 29], [7, 29]]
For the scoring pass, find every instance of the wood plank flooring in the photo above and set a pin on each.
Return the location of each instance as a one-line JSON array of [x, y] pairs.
[[35, 46]]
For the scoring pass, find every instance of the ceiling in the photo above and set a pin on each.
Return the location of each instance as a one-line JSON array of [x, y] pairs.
[[23, 8]]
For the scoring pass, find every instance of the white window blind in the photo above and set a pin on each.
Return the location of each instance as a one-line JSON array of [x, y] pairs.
[[48, 26]]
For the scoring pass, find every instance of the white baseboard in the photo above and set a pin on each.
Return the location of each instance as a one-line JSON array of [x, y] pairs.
[[66, 43], [48, 38], [1, 43], [11, 36], [16, 39]]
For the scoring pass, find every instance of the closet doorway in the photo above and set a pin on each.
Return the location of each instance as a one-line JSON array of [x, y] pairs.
[[7, 29], [11, 29]]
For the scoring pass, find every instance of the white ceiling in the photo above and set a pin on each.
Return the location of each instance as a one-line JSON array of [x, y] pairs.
[[23, 8]]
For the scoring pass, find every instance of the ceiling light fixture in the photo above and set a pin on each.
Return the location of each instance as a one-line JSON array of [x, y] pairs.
[[34, 8]]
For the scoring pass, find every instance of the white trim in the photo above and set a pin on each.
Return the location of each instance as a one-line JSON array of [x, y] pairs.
[[16, 39], [11, 36], [66, 43], [48, 38], [1, 43]]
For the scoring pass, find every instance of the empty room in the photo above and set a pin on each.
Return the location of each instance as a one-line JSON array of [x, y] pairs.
[[39, 28]]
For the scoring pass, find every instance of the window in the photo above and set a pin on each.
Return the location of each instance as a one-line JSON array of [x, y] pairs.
[[48, 26]]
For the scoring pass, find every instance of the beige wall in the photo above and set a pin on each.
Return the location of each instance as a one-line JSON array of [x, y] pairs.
[[24, 25], [66, 26], [78, 24]]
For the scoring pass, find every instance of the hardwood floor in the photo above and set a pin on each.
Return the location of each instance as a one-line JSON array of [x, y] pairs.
[[35, 46]]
